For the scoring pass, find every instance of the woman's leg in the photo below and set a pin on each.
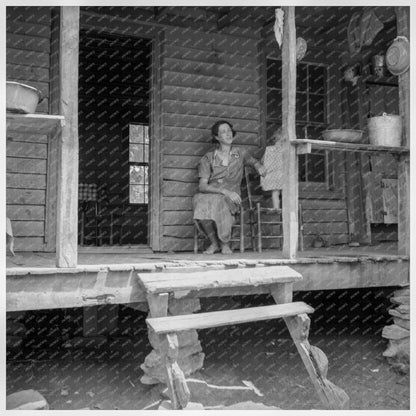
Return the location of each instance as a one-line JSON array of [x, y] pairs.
[[209, 229]]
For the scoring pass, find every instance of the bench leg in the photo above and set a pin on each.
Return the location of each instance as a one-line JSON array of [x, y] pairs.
[[316, 363], [178, 389]]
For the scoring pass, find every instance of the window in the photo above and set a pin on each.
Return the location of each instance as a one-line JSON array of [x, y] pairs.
[[310, 112], [139, 163]]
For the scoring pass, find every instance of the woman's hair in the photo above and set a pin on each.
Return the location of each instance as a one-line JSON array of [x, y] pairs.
[[216, 126]]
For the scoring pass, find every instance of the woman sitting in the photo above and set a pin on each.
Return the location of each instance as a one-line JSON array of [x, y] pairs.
[[219, 199]]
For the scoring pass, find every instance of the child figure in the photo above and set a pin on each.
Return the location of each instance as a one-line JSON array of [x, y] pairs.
[[273, 162]]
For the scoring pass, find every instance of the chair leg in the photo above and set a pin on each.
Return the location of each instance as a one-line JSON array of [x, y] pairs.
[[252, 231], [259, 245], [195, 239], [241, 230]]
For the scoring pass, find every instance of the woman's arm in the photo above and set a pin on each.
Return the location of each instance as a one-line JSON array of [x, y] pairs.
[[251, 161], [205, 188]]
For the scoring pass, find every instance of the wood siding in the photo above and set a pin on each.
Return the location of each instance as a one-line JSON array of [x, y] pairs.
[[206, 77], [28, 32]]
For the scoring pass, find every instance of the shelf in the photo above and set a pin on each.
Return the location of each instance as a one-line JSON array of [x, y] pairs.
[[33, 123], [305, 146]]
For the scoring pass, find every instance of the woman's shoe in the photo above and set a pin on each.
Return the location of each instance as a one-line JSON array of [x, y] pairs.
[[226, 249], [213, 248]]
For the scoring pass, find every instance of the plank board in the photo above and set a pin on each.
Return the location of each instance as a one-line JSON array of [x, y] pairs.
[[27, 73], [225, 72], [209, 279], [172, 188], [197, 135], [211, 41], [208, 109], [28, 228], [205, 122], [26, 137], [25, 197], [175, 203], [209, 82], [28, 150], [23, 165], [210, 56], [25, 181], [33, 123], [168, 324], [26, 212], [30, 58], [28, 43], [202, 95]]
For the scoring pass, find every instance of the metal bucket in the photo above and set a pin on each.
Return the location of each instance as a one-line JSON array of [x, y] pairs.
[[385, 130]]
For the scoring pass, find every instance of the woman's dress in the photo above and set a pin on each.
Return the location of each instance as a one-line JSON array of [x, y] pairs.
[[218, 207]]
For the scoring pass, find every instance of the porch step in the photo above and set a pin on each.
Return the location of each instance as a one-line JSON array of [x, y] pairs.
[[168, 324], [166, 282]]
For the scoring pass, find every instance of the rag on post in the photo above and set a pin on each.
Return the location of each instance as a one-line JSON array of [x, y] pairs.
[[362, 29]]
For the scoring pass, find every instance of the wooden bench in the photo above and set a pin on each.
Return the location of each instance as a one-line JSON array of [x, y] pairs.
[[279, 281]]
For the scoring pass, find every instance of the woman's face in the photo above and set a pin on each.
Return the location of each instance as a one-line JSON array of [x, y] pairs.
[[225, 134]]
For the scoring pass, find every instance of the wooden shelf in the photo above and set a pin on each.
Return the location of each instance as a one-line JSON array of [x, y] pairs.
[[305, 146], [33, 123]]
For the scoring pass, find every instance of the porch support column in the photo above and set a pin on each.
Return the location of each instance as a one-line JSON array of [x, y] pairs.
[[290, 187], [67, 207], [402, 22]]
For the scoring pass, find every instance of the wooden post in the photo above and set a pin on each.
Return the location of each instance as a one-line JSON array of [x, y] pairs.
[[290, 187], [403, 174], [67, 207]]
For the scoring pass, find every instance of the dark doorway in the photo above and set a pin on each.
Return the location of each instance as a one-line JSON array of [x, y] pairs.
[[114, 83]]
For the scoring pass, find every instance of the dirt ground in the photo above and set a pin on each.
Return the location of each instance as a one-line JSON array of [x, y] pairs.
[[262, 354]]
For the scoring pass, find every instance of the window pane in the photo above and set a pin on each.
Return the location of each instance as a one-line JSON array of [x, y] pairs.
[[274, 73], [301, 77], [302, 168], [317, 78], [301, 107], [138, 194], [317, 108], [137, 153], [138, 174], [136, 133], [274, 104], [316, 168]]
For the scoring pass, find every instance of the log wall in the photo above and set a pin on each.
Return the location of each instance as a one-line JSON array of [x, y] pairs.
[[206, 77], [28, 34]]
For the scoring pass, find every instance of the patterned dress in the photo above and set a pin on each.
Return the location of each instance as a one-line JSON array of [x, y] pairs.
[[218, 207]]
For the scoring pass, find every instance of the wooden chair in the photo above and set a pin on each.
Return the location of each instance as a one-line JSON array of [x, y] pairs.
[[238, 225], [260, 214]]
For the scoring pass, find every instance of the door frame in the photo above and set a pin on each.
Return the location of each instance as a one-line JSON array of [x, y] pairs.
[[113, 25]]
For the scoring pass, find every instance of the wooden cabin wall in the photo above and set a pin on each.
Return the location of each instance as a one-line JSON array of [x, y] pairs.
[[28, 43], [205, 77]]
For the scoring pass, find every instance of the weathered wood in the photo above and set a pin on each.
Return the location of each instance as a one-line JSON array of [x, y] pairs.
[[13, 136], [290, 186], [67, 206], [203, 109], [327, 215], [168, 282], [403, 193], [178, 388], [27, 212], [23, 165], [33, 123], [25, 197], [29, 58], [316, 364], [155, 205], [27, 43], [209, 82], [158, 304], [350, 147], [28, 228], [202, 95], [27, 73], [228, 317], [25, 181], [27, 28], [28, 150]]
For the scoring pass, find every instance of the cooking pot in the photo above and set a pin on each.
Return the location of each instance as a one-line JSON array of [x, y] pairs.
[[22, 98]]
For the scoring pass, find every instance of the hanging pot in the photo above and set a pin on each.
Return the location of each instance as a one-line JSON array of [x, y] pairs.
[[21, 98], [398, 56]]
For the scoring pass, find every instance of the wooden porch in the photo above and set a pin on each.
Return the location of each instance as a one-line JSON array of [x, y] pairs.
[[34, 282]]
